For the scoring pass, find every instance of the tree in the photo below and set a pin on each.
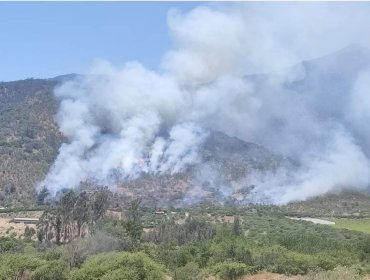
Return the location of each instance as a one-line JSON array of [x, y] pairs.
[[189, 271], [72, 213], [10, 244], [29, 232], [65, 210], [231, 270], [47, 226], [81, 213], [237, 229], [17, 267], [133, 224], [99, 204], [54, 270], [57, 224]]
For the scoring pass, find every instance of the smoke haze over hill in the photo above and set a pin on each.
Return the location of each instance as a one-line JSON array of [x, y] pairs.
[[129, 120]]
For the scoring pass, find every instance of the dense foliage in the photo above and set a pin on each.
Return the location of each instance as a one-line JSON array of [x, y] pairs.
[[195, 243], [115, 266], [72, 216]]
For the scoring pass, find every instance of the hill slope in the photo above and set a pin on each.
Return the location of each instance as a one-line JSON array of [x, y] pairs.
[[219, 177], [29, 138]]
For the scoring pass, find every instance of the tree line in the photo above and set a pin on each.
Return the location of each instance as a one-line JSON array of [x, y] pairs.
[[72, 216]]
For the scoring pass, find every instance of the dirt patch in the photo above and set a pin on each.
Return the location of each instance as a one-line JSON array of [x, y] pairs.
[[9, 228], [266, 276], [313, 220]]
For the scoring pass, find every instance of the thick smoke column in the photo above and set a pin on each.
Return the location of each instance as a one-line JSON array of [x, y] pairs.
[[123, 122]]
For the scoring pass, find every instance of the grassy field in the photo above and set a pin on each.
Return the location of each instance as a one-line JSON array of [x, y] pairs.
[[362, 225]]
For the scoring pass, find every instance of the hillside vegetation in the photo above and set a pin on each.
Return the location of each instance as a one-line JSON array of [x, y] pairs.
[[29, 138], [362, 225], [205, 242], [344, 204]]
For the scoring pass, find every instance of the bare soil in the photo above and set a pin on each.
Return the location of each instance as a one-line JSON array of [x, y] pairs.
[[8, 228]]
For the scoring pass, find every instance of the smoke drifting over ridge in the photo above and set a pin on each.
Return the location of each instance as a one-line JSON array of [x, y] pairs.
[[125, 121]]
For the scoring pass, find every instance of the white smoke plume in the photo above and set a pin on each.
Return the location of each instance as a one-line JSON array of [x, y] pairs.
[[130, 120]]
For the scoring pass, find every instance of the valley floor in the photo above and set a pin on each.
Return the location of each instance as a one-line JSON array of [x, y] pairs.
[[362, 225], [208, 242]]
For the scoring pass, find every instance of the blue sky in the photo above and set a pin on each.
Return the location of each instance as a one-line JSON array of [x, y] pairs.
[[43, 40]]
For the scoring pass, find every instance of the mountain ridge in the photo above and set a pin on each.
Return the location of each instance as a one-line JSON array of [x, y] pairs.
[[30, 138]]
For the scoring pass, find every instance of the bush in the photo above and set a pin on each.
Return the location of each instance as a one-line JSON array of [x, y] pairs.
[[130, 266], [190, 271], [341, 273], [29, 232], [231, 270], [10, 244], [53, 254], [54, 270], [16, 266], [294, 263]]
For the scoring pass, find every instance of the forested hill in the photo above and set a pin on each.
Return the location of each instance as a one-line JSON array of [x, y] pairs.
[[29, 137]]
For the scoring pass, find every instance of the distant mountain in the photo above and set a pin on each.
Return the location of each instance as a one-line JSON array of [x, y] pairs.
[[29, 143], [325, 80], [64, 78]]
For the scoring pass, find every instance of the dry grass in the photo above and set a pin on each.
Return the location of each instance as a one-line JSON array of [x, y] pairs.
[[340, 273], [8, 228]]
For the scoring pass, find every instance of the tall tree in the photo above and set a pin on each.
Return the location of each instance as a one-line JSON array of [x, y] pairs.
[[81, 213], [99, 204], [134, 225]]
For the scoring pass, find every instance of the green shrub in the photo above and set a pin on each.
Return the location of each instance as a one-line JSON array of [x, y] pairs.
[[341, 273], [11, 244], [15, 266], [190, 271], [231, 270], [53, 254], [292, 263], [123, 266], [54, 270], [29, 232]]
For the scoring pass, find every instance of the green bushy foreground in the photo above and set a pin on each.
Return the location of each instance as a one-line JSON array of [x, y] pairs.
[[194, 247], [113, 266]]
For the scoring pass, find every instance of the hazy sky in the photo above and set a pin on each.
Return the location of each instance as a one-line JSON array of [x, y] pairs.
[[43, 40], [48, 39]]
